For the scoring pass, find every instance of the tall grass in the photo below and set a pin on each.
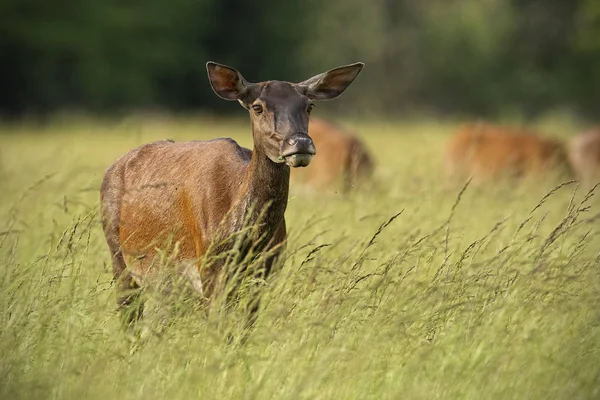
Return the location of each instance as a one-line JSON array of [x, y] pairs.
[[410, 289]]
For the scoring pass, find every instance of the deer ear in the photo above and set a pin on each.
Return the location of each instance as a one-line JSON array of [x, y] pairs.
[[226, 82], [330, 84]]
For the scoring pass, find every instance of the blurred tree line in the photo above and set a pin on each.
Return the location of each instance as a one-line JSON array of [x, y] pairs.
[[473, 57]]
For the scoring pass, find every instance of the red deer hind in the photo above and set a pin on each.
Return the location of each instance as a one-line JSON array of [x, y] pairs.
[[488, 152], [200, 193], [343, 162], [584, 152]]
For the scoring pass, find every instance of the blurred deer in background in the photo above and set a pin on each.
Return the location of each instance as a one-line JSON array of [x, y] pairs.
[[584, 152], [200, 194], [343, 160], [487, 152]]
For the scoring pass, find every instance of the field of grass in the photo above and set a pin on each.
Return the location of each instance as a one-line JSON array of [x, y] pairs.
[[493, 294]]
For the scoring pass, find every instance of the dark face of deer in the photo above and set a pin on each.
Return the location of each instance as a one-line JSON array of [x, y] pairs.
[[279, 110], [280, 124]]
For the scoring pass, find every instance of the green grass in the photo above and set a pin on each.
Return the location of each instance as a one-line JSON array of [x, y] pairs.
[[494, 294]]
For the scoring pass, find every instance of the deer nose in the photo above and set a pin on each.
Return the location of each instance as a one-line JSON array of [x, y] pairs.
[[299, 143]]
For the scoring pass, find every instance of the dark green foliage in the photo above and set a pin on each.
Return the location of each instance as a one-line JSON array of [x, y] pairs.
[[481, 58]]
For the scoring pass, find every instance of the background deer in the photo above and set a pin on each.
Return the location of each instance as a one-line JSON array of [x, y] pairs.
[[343, 158], [584, 152], [199, 194], [487, 152]]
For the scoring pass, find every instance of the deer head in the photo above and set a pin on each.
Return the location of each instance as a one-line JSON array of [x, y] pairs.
[[279, 110]]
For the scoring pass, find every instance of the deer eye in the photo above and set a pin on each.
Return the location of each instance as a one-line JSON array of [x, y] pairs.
[[310, 107], [257, 108]]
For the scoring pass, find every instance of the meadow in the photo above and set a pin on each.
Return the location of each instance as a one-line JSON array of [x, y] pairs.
[[406, 288]]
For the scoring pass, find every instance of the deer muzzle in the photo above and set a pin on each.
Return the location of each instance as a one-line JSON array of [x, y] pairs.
[[298, 150]]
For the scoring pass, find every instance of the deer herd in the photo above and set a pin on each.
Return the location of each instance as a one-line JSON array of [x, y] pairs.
[[203, 196], [488, 152]]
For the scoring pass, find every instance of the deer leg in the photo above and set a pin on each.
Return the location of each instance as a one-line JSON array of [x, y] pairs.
[[191, 273], [126, 288]]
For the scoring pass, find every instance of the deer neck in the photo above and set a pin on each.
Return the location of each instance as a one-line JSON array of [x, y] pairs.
[[263, 194]]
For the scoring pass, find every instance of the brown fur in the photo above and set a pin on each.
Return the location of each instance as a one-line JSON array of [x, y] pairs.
[[190, 198], [487, 152], [341, 158], [584, 153]]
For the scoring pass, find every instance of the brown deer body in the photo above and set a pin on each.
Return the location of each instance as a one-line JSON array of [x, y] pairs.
[[584, 152], [343, 158], [488, 152], [198, 194]]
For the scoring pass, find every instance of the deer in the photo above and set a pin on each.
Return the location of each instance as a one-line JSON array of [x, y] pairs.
[[344, 160], [486, 152], [584, 153], [200, 194]]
